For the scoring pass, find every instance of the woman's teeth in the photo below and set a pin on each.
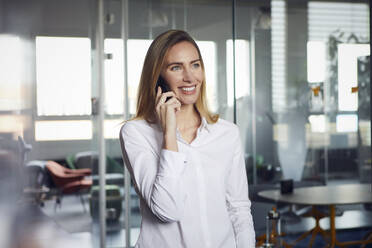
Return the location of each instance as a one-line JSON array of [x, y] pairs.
[[188, 88]]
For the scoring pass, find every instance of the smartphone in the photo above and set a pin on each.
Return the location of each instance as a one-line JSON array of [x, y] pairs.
[[163, 85]]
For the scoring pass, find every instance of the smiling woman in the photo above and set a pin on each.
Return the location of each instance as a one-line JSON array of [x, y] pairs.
[[187, 165]]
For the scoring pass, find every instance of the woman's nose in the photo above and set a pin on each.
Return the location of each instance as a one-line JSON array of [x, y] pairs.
[[188, 75]]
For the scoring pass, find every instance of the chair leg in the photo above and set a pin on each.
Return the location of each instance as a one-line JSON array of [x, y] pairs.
[[367, 239], [58, 202], [55, 204], [82, 201]]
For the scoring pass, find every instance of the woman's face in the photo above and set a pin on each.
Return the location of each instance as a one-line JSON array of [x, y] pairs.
[[183, 72]]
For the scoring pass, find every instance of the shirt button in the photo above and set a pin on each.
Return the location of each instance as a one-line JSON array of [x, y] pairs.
[[185, 162]]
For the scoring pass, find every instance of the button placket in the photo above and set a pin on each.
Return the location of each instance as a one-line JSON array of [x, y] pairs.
[[202, 200]]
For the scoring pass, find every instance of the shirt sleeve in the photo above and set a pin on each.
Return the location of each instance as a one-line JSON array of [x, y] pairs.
[[238, 203], [156, 177]]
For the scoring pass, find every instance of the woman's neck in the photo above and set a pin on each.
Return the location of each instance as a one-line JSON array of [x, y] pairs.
[[188, 117]]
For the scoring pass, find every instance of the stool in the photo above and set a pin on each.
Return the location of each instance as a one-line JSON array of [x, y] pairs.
[[272, 238], [113, 202]]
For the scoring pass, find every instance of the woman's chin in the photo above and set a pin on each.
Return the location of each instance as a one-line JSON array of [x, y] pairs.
[[186, 102], [188, 99]]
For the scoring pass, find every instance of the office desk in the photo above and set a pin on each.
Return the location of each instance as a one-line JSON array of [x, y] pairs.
[[330, 195]]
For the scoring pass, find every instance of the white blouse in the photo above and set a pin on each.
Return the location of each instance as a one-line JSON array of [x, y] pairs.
[[196, 197]]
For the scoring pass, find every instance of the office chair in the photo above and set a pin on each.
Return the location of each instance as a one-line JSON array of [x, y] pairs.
[[68, 181], [89, 159]]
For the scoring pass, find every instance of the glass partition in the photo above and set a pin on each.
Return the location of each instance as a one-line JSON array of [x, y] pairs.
[[45, 122], [306, 116]]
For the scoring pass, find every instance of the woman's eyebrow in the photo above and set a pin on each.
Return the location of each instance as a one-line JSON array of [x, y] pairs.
[[174, 63], [180, 63]]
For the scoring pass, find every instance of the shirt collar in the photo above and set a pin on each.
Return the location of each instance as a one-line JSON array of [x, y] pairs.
[[204, 124]]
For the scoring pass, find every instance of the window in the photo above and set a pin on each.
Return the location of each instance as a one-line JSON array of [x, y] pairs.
[[10, 78], [278, 48], [316, 61], [63, 66], [347, 123], [242, 70], [114, 77], [347, 74], [112, 128], [208, 52], [63, 130], [328, 18], [137, 50], [63, 74], [317, 123]]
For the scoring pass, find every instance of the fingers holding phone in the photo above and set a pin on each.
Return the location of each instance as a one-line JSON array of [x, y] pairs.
[[166, 107], [163, 97]]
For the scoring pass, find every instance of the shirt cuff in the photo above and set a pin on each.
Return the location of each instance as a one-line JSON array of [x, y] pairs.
[[172, 163]]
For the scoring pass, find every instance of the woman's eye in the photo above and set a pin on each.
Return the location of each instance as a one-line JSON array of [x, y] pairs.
[[196, 65], [175, 68]]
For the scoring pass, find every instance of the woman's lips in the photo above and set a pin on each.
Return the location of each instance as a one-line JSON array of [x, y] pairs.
[[188, 90]]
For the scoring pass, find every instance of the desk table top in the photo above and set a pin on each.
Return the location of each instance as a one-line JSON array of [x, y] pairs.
[[323, 195]]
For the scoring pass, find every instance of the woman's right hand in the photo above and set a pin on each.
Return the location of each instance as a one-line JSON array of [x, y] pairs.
[[166, 113]]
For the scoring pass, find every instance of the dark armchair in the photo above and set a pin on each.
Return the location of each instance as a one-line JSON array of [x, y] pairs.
[[69, 181]]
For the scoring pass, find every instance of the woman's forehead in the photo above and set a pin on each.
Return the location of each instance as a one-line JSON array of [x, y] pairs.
[[182, 51]]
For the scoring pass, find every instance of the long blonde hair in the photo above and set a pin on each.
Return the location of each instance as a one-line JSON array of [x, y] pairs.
[[152, 66]]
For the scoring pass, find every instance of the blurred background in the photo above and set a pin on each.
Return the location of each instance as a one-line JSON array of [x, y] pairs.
[[294, 75]]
